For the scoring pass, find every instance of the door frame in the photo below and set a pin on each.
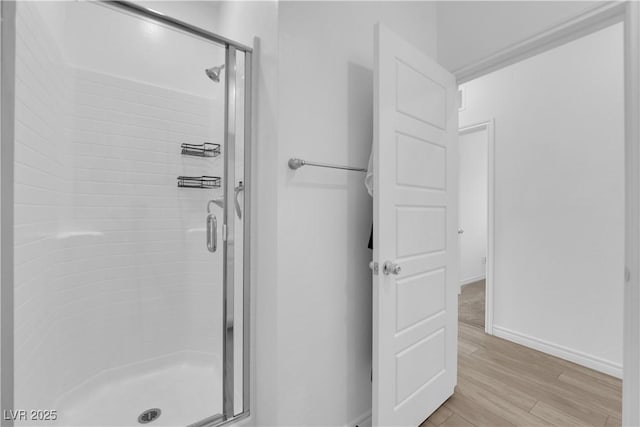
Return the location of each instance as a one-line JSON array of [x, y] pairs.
[[489, 127], [596, 18]]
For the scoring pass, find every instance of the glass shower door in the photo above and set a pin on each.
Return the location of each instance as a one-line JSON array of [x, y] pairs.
[[130, 293]]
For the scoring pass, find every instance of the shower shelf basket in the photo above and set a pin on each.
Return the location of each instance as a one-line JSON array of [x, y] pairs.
[[208, 149], [199, 181]]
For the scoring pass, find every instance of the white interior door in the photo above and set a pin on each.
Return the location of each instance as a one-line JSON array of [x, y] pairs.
[[415, 231]]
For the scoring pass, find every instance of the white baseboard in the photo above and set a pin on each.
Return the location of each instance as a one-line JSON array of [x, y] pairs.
[[363, 420], [472, 279], [584, 359]]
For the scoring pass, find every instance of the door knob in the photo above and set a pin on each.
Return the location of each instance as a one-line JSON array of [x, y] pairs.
[[460, 230], [391, 268]]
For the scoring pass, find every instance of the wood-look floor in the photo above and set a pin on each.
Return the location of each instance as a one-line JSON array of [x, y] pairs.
[[471, 304], [505, 384]]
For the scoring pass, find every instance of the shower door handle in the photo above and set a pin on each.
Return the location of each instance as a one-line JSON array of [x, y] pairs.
[[237, 190], [212, 233]]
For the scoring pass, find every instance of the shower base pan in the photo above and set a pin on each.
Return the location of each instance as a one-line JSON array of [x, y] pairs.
[[186, 388]]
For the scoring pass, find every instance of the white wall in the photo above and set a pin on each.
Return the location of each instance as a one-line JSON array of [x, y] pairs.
[[324, 216], [473, 158], [559, 197], [469, 31]]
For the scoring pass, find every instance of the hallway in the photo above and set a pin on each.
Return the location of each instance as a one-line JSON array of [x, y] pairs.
[[501, 383]]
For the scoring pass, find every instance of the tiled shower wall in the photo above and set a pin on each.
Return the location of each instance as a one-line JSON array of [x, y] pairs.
[[41, 191], [111, 263]]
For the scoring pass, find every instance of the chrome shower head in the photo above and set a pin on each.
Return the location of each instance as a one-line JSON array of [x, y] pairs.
[[214, 72]]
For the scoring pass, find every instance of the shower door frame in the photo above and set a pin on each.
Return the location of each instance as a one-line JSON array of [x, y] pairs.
[[7, 128]]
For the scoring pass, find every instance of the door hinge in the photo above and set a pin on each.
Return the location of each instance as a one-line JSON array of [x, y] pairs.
[[224, 232], [627, 275]]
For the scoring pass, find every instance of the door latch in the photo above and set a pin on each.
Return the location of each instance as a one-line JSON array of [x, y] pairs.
[[374, 267]]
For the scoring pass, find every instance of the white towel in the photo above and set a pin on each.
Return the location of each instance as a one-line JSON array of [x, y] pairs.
[[368, 178]]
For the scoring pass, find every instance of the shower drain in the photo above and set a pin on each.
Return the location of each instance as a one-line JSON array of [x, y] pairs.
[[149, 415]]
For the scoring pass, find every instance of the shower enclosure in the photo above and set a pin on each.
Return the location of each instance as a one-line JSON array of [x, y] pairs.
[[125, 218]]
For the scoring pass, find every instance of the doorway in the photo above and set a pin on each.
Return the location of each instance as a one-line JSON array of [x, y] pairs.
[[544, 43], [559, 200], [475, 231]]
